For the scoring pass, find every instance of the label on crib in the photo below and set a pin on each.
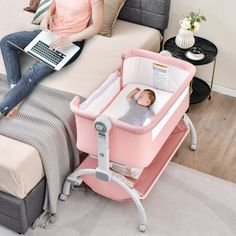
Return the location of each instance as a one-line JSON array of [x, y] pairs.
[[159, 79]]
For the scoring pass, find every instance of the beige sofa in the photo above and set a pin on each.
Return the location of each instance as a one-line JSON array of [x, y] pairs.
[[100, 57]]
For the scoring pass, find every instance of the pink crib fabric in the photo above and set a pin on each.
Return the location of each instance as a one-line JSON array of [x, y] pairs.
[[129, 145]]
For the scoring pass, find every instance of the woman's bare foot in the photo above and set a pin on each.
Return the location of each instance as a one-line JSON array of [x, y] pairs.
[[13, 112]]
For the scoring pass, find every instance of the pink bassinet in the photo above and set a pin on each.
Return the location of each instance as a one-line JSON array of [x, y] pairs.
[[149, 147]]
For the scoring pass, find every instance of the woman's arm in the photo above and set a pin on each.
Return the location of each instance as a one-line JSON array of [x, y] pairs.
[[94, 28], [47, 19]]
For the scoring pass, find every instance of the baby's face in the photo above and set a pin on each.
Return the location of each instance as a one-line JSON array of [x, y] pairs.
[[144, 99]]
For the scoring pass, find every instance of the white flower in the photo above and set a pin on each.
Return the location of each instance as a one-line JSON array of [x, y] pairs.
[[185, 24], [191, 21], [196, 26]]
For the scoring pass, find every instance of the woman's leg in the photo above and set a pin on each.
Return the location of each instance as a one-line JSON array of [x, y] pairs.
[[13, 112], [10, 52], [24, 87], [18, 94]]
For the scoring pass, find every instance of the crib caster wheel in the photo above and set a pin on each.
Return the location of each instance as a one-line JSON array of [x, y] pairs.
[[62, 197], [75, 186], [193, 147], [142, 228]]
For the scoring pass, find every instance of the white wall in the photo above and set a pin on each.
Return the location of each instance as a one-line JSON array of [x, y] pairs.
[[220, 28]]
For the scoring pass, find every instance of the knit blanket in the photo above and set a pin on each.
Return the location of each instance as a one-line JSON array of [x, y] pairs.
[[46, 122]]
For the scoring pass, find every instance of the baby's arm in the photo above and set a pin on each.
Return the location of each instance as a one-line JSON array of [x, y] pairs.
[[132, 93]]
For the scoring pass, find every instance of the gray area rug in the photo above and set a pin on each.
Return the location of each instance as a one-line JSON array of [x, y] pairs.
[[183, 202]]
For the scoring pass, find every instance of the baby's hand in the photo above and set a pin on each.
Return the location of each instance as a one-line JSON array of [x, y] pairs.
[[137, 89]]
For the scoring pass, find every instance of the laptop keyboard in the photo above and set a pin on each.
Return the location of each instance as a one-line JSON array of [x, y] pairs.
[[46, 52]]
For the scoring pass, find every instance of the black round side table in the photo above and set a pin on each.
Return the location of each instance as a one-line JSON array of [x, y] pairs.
[[200, 89]]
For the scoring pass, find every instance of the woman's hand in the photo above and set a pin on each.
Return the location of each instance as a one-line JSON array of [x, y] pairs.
[[61, 42], [46, 23]]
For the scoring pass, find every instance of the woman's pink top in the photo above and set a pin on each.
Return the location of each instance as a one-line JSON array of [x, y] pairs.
[[71, 16]]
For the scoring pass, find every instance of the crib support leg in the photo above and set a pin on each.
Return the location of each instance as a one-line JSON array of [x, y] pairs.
[[189, 123], [74, 180], [134, 195]]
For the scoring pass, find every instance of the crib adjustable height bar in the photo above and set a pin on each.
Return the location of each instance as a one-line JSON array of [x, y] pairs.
[[103, 126]]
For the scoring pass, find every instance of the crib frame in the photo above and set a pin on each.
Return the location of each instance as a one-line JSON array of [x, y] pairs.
[[155, 161], [102, 171]]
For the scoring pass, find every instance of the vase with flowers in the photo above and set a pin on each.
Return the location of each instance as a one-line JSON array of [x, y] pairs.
[[189, 25]]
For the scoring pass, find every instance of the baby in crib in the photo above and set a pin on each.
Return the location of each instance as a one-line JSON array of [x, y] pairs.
[[139, 109]]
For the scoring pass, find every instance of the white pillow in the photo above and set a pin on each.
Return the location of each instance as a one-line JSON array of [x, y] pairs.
[[42, 9]]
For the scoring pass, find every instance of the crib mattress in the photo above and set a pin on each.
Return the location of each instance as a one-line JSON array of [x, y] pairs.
[[20, 164], [114, 109]]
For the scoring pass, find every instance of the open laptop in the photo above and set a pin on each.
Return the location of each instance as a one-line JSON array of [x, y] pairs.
[[39, 49]]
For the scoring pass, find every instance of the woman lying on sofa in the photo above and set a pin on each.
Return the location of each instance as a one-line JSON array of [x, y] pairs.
[[70, 22]]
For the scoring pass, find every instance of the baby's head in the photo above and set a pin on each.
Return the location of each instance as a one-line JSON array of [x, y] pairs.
[[146, 98]]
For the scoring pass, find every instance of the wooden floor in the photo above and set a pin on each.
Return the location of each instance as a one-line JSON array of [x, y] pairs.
[[215, 123]]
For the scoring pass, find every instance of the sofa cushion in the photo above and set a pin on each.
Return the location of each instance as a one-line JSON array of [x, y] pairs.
[[33, 6], [111, 12], [16, 18], [43, 7]]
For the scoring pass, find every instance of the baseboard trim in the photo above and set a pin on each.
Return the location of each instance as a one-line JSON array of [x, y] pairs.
[[224, 90]]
